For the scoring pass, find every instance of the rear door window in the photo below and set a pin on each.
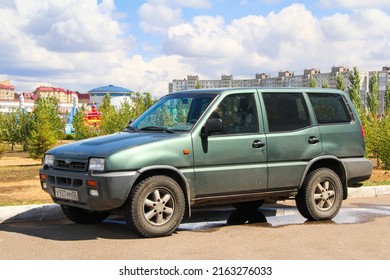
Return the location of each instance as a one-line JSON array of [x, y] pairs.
[[286, 111], [330, 108]]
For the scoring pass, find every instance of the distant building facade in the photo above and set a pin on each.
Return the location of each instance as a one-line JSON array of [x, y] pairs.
[[383, 83], [62, 95], [7, 91], [26, 100], [117, 94], [287, 79]]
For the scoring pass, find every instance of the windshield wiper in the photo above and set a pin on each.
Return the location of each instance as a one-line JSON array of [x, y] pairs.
[[130, 128], [156, 128]]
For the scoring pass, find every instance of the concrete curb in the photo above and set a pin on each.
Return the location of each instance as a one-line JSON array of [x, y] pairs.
[[30, 212], [369, 191], [53, 211]]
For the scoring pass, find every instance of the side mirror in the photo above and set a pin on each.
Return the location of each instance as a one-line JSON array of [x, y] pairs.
[[213, 125]]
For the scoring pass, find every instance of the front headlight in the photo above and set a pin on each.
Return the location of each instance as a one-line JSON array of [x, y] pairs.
[[48, 160], [96, 164]]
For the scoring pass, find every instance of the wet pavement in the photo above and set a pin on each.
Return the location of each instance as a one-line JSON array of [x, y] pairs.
[[277, 216], [274, 231], [272, 215]]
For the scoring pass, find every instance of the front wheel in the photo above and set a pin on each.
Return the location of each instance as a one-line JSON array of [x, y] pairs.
[[155, 207], [321, 195], [83, 216]]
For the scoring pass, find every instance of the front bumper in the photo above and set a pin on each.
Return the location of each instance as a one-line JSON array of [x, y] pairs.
[[95, 192]]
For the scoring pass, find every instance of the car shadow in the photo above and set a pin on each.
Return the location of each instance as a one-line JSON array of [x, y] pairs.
[[57, 227], [114, 227]]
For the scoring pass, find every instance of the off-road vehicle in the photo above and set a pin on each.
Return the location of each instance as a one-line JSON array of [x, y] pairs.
[[214, 146]]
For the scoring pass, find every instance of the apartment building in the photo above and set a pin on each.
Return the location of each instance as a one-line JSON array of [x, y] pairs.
[[7, 91], [383, 82], [286, 79], [63, 96]]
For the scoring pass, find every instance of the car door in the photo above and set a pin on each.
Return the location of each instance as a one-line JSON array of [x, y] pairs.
[[234, 160], [293, 139]]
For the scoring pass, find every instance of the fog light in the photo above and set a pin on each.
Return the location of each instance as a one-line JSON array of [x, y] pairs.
[[44, 185], [93, 192]]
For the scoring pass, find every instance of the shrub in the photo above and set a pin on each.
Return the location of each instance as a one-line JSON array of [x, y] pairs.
[[3, 149]]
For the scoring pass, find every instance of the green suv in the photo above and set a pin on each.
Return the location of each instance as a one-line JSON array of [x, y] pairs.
[[214, 146]]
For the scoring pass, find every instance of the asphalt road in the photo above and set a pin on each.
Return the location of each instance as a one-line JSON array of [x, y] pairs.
[[359, 232]]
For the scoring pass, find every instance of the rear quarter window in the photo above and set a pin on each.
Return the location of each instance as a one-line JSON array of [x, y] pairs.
[[330, 108]]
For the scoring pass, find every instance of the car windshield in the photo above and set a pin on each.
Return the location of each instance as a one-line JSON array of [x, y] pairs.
[[173, 113]]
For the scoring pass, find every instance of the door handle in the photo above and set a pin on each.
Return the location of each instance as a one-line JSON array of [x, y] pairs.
[[257, 144], [313, 140]]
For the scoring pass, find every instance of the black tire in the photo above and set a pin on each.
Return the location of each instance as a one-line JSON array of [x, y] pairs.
[[248, 205], [83, 216], [321, 195], [155, 207]]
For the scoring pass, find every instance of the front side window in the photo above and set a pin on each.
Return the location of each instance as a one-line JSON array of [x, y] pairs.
[[286, 111], [238, 114], [330, 108]]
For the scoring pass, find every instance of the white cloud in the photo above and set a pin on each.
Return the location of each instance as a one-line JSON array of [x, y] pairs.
[[156, 18], [80, 45], [291, 39], [355, 4], [54, 39], [194, 4], [249, 44], [365, 24]]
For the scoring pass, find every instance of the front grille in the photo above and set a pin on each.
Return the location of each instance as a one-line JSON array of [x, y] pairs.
[[69, 164]]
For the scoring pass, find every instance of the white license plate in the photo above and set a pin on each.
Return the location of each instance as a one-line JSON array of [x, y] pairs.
[[66, 194]]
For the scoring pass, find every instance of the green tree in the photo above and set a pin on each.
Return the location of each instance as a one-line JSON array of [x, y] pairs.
[[384, 146], [325, 84], [312, 82], [108, 116], [9, 129], [354, 89], [25, 126], [340, 83], [82, 129], [15, 128], [387, 99], [3, 149], [113, 119], [46, 127], [3, 146], [372, 97], [140, 102], [116, 119], [106, 103], [372, 128]]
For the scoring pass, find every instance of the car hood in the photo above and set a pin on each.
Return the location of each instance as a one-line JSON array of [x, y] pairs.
[[104, 146]]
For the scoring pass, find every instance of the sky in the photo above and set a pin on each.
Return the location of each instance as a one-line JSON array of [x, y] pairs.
[[143, 45]]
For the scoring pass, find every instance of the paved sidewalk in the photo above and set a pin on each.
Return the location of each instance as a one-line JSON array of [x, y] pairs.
[[53, 211]]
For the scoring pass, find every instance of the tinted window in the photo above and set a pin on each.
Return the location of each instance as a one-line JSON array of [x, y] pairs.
[[330, 108], [238, 113], [286, 111]]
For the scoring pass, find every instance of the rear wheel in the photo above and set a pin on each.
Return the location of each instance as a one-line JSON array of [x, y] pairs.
[[321, 195], [155, 207], [83, 216]]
